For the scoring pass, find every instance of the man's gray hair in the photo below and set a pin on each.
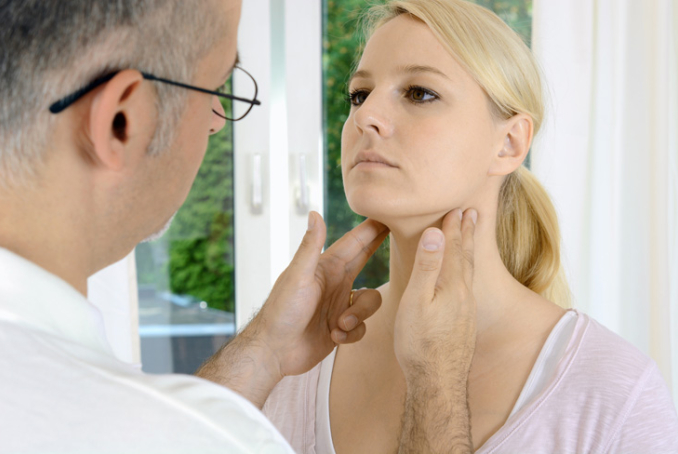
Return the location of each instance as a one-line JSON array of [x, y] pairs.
[[51, 48]]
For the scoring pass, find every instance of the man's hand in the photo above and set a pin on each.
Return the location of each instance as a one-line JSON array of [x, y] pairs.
[[435, 336], [306, 315]]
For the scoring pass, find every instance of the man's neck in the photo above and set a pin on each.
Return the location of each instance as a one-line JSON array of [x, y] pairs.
[[48, 232]]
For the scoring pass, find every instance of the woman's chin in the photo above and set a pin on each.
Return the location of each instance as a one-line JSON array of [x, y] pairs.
[[379, 213], [400, 220], [397, 219]]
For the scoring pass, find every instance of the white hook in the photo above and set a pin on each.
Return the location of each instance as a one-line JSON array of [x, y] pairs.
[[257, 193], [303, 195]]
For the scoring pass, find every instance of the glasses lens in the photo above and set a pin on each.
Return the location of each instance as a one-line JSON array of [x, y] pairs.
[[242, 86]]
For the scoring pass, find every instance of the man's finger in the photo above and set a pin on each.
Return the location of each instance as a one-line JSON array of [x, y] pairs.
[[451, 273], [361, 242], [468, 228], [365, 303], [342, 337], [306, 258], [427, 264], [355, 266]]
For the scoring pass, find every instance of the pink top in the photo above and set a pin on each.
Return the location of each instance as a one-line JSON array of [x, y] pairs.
[[602, 396]]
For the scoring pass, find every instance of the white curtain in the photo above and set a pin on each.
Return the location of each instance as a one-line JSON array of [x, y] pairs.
[[608, 155]]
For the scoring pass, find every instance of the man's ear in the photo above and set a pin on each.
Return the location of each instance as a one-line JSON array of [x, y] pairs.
[[516, 133], [119, 119]]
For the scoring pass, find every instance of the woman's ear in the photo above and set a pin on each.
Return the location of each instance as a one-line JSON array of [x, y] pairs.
[[516, 134], [119, 120]]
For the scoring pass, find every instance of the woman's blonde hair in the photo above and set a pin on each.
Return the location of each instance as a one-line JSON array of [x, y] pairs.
[[497, 58]]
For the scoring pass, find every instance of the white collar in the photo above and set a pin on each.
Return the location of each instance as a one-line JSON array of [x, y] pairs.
[[36, 299]]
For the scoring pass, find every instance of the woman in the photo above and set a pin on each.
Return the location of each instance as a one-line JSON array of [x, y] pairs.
[[444, 105]]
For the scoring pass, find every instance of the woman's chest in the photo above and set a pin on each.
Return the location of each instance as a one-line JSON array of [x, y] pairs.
[[367, 403], [372, 424]]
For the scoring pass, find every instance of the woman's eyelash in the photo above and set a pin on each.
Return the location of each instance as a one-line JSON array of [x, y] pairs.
[[412, 89], [416, 94], [353, 96]]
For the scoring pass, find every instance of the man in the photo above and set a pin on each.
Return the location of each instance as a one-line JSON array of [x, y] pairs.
[[85, 174]]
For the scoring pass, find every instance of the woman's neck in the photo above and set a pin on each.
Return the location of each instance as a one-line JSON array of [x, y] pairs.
[[495, 290]]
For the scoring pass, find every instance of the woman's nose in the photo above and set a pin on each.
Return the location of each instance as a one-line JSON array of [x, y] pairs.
[[373, 116], [217, 122]]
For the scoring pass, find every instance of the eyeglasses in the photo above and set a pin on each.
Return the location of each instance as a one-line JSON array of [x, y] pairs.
[[249, 93]]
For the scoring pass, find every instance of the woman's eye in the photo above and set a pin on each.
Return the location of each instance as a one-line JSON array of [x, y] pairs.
[[357, 97], [420, 94]]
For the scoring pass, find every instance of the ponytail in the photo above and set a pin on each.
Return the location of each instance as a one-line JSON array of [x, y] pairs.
[[528, 237]]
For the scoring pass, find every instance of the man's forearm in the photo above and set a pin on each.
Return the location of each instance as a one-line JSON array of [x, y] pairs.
[[245, 366], [436, 418]]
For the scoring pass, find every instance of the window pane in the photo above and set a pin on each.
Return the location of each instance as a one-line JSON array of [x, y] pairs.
[[341, 48], [186, 278]]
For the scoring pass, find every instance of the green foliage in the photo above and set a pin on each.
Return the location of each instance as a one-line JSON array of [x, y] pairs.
[[342, 46], [516, 13]]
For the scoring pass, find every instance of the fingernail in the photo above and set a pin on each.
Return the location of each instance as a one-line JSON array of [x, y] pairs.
[[474, 215], [350, 322], [340, 336], [311, 221], [433, 239], [461, 215]]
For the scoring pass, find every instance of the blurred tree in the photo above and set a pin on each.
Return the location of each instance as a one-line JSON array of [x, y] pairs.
[[342, 47]]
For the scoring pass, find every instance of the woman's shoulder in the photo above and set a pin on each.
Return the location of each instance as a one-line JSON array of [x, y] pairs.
[[604, 396], [292, 396], [607, 375], [597, 360], [600, 349], [291, 408]]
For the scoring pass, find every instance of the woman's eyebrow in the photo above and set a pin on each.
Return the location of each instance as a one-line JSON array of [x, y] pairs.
[[362, 74], [410, 69], [415, 69]]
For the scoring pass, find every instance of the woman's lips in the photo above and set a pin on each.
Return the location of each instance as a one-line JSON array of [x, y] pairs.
[[372, 160], [373, 165]]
